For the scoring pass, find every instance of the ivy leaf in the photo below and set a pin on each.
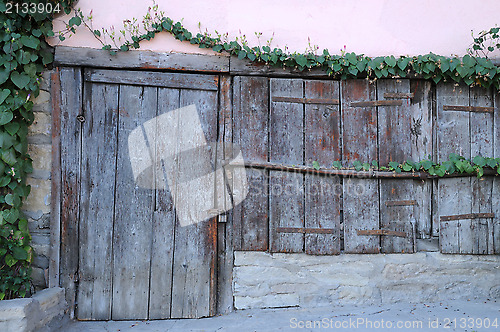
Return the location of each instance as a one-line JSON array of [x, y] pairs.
[[357, 165], [10, 215], [427, 164], [4, 75], [301, 60], [242, 54], [403, 63], [393, 165], [390, 60], [4, 94], [479, 161], [9, 157], [30, 41], [6, 117], [20, 80], [12, 127], [9, 260], [19, 253], [315, 165], [366, 166], [337, 164], [375, 164], [75, 20]]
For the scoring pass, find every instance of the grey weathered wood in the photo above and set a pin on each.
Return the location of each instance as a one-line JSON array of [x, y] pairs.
[[80, 56], [482, 139], [421, 138], [250, 134], [245, 67], [322, 144], [160, 289], [70, 151], [495, 229], [167, 80], [133, 212], [453, 136], [286, 190], [454, 197], [225, 251], [99, 150], [195, 252], [453, 129], [394, 141], [55, 198], [359, 132]]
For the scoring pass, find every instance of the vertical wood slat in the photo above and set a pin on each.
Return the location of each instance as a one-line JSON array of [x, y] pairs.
[[97, 201], [160, 292], [322, 144], [225, 256], [481, 126], [394, 141], [286, 190], [358, 136], [250, 133], [70, 99], [194, 268], [133, 212], [495, 229], [453, 136], [421, 138]]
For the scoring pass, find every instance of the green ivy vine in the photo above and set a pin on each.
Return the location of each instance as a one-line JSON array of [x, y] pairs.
[[469, 69], [25, 54]]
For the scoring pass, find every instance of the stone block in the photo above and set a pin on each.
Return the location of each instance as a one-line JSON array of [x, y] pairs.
[[42, 124], [41, 155], [39, 198]]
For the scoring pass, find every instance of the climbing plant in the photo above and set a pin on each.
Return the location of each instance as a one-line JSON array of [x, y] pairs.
[[468, 69], [24, 55]]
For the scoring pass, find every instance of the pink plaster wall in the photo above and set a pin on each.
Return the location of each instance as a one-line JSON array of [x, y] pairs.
[[370, 27]]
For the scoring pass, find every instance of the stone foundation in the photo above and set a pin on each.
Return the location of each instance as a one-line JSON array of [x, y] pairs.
[[263, 280]]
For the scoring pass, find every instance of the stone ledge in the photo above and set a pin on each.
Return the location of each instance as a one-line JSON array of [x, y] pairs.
[[43, 312]]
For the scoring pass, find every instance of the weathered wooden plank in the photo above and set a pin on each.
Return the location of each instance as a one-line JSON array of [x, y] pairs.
[[245, 67], [225, 251], [250, 134], [99, 149], [453, 136], [160, 289], [359, 133], [166, 80], [55, 198], [286, 190], [195, 253], [322, 144], [454, 197], [81, 56], [133, 223], [326, 101], [421, 139], [495, 229], [453, 129], [70, 99], [394, 134]]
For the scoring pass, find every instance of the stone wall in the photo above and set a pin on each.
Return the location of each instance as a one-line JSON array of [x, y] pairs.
[[262, 280], [37, 206]]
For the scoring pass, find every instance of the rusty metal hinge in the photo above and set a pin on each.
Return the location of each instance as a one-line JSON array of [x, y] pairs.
[[380, 232], [467, 216], [306, 230]]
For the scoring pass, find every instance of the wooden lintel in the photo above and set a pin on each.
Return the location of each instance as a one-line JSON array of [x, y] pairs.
[[401, 203], [469, 108], [306, 100], [306, 230], [374, 103], [467, 216], [399, 95], [380, 232]]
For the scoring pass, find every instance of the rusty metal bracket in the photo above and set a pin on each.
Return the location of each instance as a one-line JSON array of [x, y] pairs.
[[467, 216], [306, 100], [374, 103], [306, 230], [380, 232], [401, 203], [469, 108]]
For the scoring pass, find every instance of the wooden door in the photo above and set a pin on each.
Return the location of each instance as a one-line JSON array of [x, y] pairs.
[[135, 260]]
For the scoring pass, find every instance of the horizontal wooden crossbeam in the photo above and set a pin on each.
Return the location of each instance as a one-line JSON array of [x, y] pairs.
[[401, 203], [380, 232], [398, 95], [374, 103], [306, 230], [306, 100], [468, 216], [469, 108]]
